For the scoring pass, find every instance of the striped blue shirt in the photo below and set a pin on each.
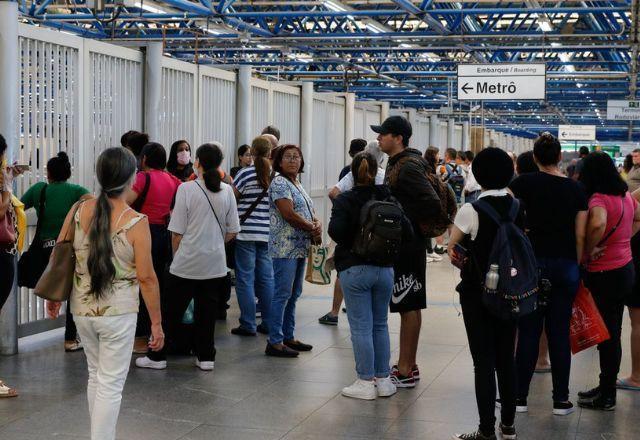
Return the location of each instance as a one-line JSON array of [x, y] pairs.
[[256, 228]]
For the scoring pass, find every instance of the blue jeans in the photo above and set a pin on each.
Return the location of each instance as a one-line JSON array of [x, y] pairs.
[[564, 276], [288, 276], [254, 277], [367, 292]]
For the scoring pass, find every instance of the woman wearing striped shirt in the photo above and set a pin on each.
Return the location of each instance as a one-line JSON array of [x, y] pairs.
[[254, 269]]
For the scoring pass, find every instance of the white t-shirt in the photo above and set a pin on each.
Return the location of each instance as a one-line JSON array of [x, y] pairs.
[[346, 183], [201, 254], [471, 183], [467, 218]]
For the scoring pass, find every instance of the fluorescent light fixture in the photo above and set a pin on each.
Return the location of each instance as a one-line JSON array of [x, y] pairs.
[[334, 6]]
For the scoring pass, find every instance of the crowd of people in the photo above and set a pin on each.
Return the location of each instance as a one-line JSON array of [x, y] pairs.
[[156, 246]]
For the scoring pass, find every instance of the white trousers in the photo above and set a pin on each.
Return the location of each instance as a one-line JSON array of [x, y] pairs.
[[108, 344]]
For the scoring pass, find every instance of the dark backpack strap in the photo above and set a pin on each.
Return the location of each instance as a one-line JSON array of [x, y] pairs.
[[253, 206], [41, 206], [515, 209], [139, 202], [485, 207]]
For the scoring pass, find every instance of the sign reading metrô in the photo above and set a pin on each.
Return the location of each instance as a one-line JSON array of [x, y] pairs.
[[576, 132], [623, 110], [501, 82]]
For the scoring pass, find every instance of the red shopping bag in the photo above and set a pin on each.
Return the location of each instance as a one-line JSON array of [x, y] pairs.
[[587, 327]]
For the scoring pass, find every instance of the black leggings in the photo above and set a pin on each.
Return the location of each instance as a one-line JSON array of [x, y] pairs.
[[7, 274], [492, 345], [609, 290]]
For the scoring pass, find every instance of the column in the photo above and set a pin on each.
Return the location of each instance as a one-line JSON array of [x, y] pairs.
[[384, 111], [434, 130], [451, 135], [243, 106], [349, 118], [306, 131], [9, 129], [466, 136], [153, 91]]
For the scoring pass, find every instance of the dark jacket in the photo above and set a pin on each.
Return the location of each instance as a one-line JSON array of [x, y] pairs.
[[345, 222], [414, 192]]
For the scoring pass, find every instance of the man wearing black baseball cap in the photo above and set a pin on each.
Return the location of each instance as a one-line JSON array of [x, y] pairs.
[[406, 176]]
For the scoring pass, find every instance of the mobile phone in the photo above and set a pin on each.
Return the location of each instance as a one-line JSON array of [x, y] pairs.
[[460, 256], [22, 167]]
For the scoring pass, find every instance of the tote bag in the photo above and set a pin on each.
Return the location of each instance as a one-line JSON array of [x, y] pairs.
[[587, 327], [318, 271]]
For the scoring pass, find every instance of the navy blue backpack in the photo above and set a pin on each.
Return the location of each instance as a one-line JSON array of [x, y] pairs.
[[517, 289]]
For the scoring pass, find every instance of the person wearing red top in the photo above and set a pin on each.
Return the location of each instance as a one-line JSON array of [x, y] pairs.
[[614, 217], [153, 194]]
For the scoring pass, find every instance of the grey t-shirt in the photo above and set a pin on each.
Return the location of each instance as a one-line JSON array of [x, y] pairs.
[[201, 253]]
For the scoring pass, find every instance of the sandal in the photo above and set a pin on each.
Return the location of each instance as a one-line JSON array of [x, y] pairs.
[[623, 384], [5, 391]]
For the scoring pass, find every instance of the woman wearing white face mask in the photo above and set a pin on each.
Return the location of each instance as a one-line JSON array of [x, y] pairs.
[[204, 217], [179, 163]]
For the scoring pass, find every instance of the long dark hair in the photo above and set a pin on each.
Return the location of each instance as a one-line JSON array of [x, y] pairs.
[[525, 163], [172, 162], [628, 163], [261, 149], [364, 168], [431, 155], [210, 157], [115, 170], [599, 175]]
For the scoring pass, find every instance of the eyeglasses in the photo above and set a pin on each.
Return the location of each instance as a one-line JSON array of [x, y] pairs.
[[291, 158]]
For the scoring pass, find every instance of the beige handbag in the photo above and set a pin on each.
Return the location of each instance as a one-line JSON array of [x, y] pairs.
[[57, 279], [317, 270]]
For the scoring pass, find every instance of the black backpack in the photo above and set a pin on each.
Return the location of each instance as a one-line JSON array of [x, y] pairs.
[[517, 289], [456, 180], [380, 235]]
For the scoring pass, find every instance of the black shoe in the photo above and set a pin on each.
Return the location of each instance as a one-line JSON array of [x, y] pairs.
[[328, 319], [590, 394], [286, 352], [298, 346], [262, 328], [521, 405], [475, 436], [508, 432], [599, 403], [563, 408], [241, 331], [439, 250]]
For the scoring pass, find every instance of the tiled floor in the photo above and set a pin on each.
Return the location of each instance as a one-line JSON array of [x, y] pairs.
[[250, 396]]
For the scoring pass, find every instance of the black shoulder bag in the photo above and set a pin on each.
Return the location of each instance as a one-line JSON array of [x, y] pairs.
[[34, 260]]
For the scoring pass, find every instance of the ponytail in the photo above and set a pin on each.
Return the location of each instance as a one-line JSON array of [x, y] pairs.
[[210, 157], [260, 150], [364, 169]]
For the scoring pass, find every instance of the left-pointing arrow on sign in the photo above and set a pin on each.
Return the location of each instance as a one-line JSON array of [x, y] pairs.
[[465, 88]]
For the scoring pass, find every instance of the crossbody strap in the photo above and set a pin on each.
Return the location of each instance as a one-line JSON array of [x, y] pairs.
[[212, 210], [614, 229], [139, 202], [253, 206], [41, 206], [305, 199]]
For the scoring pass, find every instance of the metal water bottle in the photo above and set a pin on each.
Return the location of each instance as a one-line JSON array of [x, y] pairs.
[[491, 280]]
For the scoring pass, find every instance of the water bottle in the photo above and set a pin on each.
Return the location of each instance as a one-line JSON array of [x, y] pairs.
[[491, 280]]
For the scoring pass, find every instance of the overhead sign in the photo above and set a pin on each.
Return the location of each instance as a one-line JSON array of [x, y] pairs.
[[623, 110], [577, 132], [501, 82]]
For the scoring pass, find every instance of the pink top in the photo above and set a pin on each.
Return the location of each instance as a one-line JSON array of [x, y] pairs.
[[617, 251], [162, 190]]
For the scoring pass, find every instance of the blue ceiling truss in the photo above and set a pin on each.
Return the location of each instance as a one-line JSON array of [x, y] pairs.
[[401, 51]]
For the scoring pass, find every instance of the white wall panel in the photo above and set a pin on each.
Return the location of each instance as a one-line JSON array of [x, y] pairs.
[[178, 104], [218, 115], [457, 137], [260, 109], [359, 123], [421, 133], [286, 116], [444, 134]]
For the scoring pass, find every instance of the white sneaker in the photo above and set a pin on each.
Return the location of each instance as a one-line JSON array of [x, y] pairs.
[[205, 365], [145, 362], [385, 386], [433, 257], [361, 389]]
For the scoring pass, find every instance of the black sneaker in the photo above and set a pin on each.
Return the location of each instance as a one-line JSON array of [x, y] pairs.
[[262, 328], [401, 381], [521, 405], [298, 346], [508, 432], [563, 408], [241, 331], [286, 352], [439, 250], [475, 436], [590, 394], [328, 319], [599, 403], [415, 371]]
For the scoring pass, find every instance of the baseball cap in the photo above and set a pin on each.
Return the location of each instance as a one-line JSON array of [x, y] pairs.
[[357, 145], [396, 125]]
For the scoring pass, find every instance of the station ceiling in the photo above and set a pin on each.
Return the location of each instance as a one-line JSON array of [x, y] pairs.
[[402, 51]]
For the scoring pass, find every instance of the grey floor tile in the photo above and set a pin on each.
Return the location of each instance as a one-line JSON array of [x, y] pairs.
[[418, 429], [344, 425], [208, 432]]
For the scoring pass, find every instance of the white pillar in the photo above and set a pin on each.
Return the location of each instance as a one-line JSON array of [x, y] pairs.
[[349, 119], [243, 106], [466, 136], [9, 129], [451, 134], [434, 130], [153, 91], [306, 132], [384, 111]]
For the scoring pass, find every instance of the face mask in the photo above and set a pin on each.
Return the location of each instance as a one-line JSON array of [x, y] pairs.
[[184, 157]]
